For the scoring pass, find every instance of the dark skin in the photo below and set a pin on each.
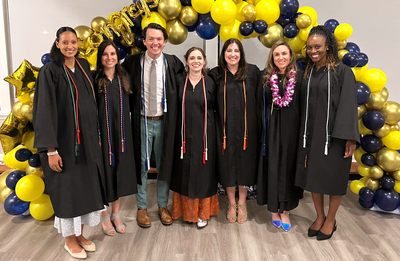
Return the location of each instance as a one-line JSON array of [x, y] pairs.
[[317, 48]]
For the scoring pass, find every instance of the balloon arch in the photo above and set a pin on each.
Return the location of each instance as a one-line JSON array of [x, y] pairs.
[[22, 187]]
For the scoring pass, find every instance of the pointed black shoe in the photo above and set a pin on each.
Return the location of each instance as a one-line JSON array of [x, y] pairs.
[[321, 236], [312, 232]]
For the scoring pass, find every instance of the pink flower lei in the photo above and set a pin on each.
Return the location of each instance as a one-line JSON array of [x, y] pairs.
[[287, 97]]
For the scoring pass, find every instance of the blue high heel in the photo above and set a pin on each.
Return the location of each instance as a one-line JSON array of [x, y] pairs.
[[276, 223], [286, 226]]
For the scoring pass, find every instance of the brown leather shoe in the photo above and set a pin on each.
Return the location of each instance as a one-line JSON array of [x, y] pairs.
[[165, 216], [143, 219]]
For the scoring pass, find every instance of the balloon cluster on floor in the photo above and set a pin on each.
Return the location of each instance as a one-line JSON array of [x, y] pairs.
[[22, 186]]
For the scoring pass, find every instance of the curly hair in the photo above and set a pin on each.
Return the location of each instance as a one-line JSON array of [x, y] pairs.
[[332, 57]]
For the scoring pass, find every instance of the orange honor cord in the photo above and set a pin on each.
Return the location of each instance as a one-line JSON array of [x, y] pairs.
[[245, 118], [224, 141]]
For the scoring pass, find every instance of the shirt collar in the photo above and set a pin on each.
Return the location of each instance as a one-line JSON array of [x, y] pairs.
[[149, 59]]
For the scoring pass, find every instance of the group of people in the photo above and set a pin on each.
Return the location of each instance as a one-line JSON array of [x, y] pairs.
[[282, 129]]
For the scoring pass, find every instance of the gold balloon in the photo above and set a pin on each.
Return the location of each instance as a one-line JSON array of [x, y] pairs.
[[4, 193], [249, 13], [341, 44], [341, 53], [133, 50], [376, 172], [169, 9], [31, 96], [16, 110], [361, 111], [362, 129], [303, 21], [3, 177], [97, 23], [388, 160], [372, 183], [26, 112], [391, 112], [299, 55], [10, 136], [275, 33], [382, 132], [83, 32], [394, 127], [38, 171], [22, 77], [95, 39], [177, 32], [396, 175], [237, 1], [188, 16], [377, 100]]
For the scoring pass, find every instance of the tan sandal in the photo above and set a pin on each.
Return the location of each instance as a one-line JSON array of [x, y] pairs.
[[243, 209], [232, 217]]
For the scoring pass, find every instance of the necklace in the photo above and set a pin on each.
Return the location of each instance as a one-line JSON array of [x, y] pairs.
[[287, 97]]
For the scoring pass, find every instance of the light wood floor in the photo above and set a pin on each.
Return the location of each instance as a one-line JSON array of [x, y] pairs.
[[361, 235]]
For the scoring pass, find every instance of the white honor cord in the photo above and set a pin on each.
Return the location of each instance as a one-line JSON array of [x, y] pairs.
[[328, 112], [306, 121]]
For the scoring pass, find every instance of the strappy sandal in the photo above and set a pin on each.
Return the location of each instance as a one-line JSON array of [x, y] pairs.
[[243, 209], [121, 228], [232, 217], [109, 231]]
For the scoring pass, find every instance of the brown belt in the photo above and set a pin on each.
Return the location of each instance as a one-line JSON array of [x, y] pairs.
[[154, 118]]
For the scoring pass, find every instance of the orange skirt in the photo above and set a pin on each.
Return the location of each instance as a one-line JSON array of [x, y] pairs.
[[192, 208]]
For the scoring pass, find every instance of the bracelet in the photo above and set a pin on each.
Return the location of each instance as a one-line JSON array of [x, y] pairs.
[[52, 153]]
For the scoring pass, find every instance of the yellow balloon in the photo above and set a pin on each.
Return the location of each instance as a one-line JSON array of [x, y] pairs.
[[267, 10], [249, 13], [363, 170], [375, 79], [388, 159], [392, 140], [396, 175], [311, 12], [359, 72], [397, 186], [188, 16], [239, 7], [230, 31], [41, 208], [303, 33], [376, 172], [362, 129], [29, 139], [4, 193], [154, 18], [223, 12], [92, 59], [361, 110], [343, 31], [296, 43], [38, 171], [275, 33], [377, 100], [382, 132], [358, 153], [355, 186], [372, 183], [341, 53], [97, 23], [303, 21], [391, 112], [341, 44], [29, 188], [202, 6], [169, 9], [238, 1], [394, 127], [14, 163], [254, 34], [177, 32]]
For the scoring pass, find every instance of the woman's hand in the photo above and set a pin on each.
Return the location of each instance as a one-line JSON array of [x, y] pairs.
[[55, 161], [350, 148]]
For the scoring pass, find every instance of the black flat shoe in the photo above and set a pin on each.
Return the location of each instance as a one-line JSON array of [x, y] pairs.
[[321, 236], [312, 232]]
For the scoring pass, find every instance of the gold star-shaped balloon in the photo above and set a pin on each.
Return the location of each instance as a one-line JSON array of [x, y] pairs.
[[24, 78], [10, 135]]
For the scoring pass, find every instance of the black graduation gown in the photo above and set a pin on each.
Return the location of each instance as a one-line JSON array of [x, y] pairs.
[[317, 172], [133, 66], [237, 166], [79, 188], [121, 178], [276, 174], [190, 176]]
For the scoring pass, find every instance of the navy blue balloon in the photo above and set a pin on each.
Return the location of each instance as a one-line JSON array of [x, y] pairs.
[[260, 26], [206, 27], [387, 182], [373, 120], [370, 143], [186, 2], [294, 18], [246, 28], [289, 7], [13, 177], [352, 47], [14, 206], [331, 24], [350, 59], [291, 30], [191, 28], [366, 194], [137, 23], [387, 200], [23, 154], [121, 50], [301, 63], [363, 93], [283, 21], [34, 161], [368, 159], [45, 58], [362, 60], [366, 204], [139, 42]]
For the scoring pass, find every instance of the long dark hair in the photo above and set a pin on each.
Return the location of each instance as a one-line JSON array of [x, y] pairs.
[[241, 74], [55, 53], [204, 69], [332, 57], [99, 76]]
